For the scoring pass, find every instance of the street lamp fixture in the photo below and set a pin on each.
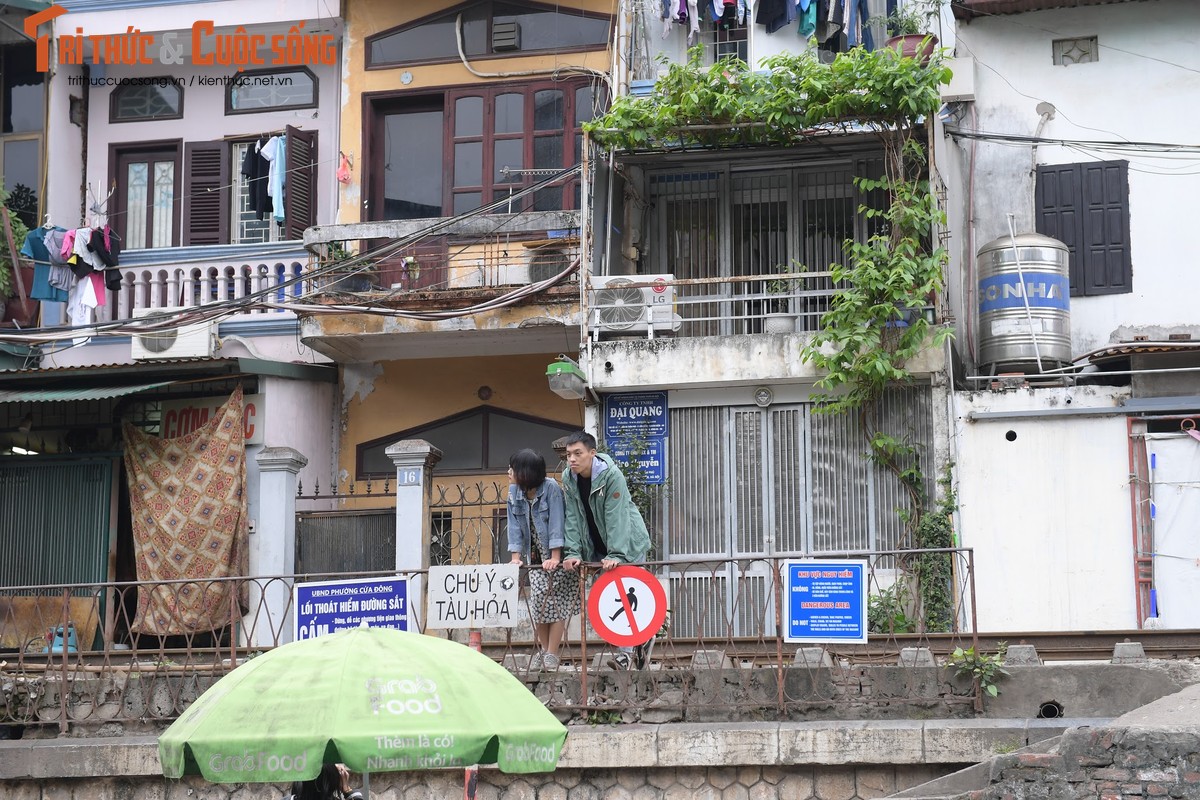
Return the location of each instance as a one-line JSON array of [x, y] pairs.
[[566, 379]]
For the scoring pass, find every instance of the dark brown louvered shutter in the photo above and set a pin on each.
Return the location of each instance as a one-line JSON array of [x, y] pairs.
[[299, 192], [206, 192], [1105, 205], [1057, 215], [1086, 207]]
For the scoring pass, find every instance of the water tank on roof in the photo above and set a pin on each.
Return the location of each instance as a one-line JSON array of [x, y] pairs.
[[1024, 303]]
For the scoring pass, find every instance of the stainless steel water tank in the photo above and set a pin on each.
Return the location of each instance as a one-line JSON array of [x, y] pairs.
[[1014, 314]]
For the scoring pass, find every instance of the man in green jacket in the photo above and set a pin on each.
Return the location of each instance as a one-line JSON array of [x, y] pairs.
[[602, 523]]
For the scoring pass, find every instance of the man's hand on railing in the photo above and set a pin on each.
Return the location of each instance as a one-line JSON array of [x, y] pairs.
[[606, 564]]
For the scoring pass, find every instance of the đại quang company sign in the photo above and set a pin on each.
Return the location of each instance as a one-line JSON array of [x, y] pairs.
[[202, 46]]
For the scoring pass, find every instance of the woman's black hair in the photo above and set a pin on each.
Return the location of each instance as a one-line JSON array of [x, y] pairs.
[[529, 468], [325, 786]]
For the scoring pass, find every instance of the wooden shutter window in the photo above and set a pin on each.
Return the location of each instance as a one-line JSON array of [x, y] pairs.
[[1105, 205], [206, 192], [1056, 215], [1086, 207], [299, 194]]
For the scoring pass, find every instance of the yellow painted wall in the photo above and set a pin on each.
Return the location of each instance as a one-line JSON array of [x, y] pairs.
[[415, 392], [369, 17]]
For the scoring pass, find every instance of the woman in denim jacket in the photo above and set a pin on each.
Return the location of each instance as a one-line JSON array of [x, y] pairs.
[[535, 538]]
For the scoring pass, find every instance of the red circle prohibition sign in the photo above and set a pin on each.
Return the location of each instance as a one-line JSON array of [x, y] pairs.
[[627, 606]]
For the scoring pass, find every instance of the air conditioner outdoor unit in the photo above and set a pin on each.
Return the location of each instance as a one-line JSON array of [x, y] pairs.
[[195, 340], [617, 307]]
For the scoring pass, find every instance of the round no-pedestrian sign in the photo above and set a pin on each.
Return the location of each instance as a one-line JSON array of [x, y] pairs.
[[627, 606]]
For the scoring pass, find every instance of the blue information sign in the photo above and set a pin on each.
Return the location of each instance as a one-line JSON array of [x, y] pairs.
[[825, 601], [329, 606], [638, 414], [651, 458]]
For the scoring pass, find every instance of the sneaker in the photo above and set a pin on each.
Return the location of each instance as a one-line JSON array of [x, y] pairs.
[[619, 661], [550, 662], [537, 661]]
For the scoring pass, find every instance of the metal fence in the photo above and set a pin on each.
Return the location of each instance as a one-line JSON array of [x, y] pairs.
[[72, 656]]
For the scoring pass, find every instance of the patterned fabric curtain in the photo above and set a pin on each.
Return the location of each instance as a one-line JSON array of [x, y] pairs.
[[188, 502]]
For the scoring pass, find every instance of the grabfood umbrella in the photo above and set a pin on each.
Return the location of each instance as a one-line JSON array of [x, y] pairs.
[[376, 699]]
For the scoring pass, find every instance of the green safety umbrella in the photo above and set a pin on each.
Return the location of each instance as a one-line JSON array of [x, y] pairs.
[[375, 699]]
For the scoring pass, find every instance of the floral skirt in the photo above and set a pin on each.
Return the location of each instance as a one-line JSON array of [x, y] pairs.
[[553, 596]]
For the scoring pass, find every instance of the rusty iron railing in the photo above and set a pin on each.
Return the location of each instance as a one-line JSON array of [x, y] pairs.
[[721, 655]]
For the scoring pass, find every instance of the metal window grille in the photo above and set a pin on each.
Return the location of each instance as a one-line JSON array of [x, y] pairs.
[[247, 227], [750, 482]]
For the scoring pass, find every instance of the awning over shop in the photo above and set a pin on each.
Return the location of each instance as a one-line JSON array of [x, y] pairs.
[[81, 393], [26, 5]]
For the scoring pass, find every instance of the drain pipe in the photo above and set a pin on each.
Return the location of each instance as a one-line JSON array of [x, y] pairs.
[[1047, 113]]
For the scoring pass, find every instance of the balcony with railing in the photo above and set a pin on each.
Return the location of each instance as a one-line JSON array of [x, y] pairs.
[[510, 275], [653, 330], [246, 279]]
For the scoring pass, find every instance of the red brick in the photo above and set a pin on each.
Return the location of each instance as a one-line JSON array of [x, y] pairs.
[[1040, 760], [1156, 790], [1112, 774], [1191, 777], [1131, 790]]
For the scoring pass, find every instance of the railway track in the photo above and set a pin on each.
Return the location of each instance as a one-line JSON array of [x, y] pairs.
[[1058, 646]]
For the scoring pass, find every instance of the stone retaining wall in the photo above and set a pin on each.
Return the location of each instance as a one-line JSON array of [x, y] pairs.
[[717, 783], [1105, 763]]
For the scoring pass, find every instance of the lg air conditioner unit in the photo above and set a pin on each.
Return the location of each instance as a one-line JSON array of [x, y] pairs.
[[620, 308], [192, 340]]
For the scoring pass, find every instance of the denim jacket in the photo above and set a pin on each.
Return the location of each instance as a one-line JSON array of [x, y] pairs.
[[547, 516]]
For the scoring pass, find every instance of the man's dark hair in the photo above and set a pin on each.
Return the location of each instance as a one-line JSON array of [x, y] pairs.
[[326, 786], [582, 437], [529, 468]]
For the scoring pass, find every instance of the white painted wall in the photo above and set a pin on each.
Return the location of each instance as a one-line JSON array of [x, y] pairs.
[[64, 150], [204, 119], [711, 361], [224, 14], [301, 415], [1047, 512], [1143, 88]]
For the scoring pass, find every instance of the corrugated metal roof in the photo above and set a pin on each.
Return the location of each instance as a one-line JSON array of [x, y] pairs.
[[173, 369], [970, 9], [1142, 348], [115, 5], [67, 395], [27, 5]]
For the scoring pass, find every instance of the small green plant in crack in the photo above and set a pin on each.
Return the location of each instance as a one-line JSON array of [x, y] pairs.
[[1008, 746], [984, 670]]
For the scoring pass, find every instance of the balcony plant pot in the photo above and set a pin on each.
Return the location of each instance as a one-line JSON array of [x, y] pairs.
[[779, 322], [16, 311], [920, 46]]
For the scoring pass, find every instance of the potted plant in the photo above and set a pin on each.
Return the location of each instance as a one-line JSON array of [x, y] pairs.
[[779, 317], [908, 29], [12, 307]]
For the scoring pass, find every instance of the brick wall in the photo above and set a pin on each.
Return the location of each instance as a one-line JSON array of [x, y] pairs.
[[1103, 763]]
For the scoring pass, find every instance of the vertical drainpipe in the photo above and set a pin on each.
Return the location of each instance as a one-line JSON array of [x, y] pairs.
[[83, 134]]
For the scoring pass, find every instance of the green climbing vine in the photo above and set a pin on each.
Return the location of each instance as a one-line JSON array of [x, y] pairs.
[[877, 322]]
